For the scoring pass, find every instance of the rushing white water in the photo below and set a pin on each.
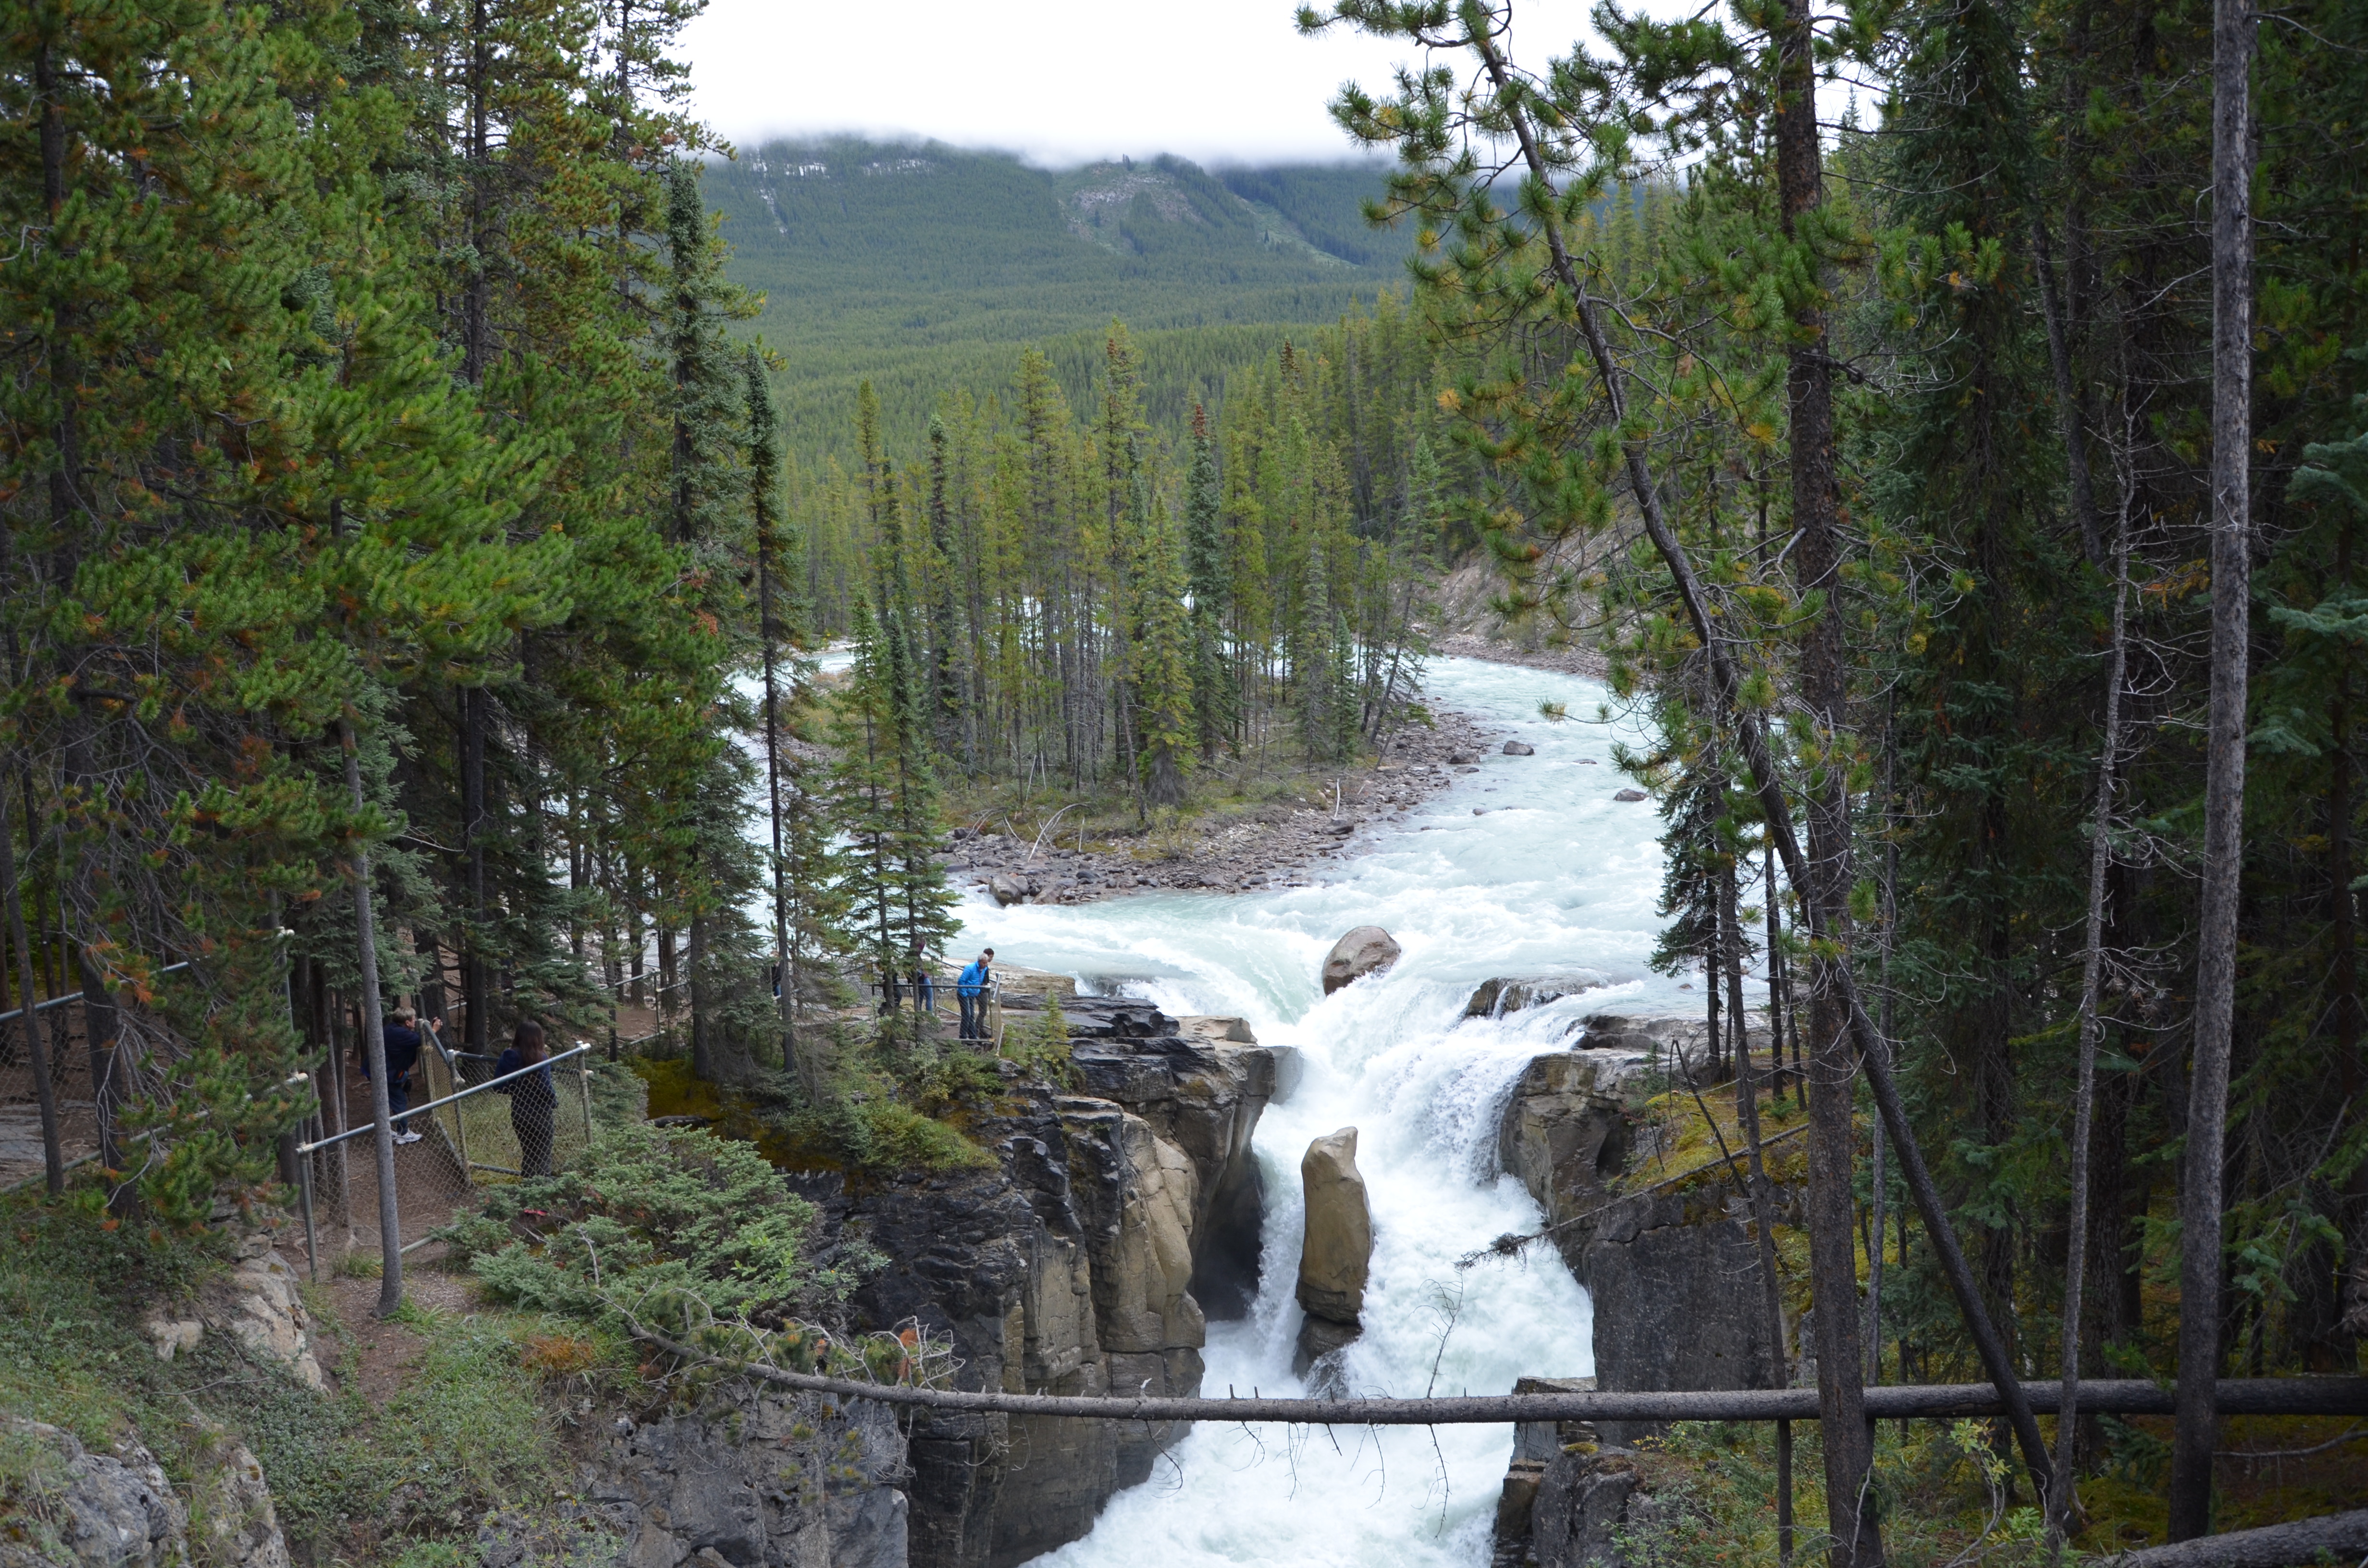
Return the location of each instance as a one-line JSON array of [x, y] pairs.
[[1556, 878]]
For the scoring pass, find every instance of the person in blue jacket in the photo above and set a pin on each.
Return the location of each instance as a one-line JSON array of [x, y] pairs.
[[970, 989], [534, 1104]]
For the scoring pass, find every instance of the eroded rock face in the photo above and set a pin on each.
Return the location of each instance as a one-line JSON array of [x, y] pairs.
[[1075, 1266], [258, 1303], [1366, 951], [1586, 1505], [1337, 1250], [117, 1510], [98, 1510], [1505, 993], [1674, 1274], [771, 1481], [1566, 1131]]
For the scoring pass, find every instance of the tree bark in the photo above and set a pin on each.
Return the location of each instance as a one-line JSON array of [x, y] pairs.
[[389, 1220], [2343, 1536], [53, 1166], [474, 989], [2060, 1506], [2196, 1430], [2340, 1396], [1823, 677], [1764, 1216]]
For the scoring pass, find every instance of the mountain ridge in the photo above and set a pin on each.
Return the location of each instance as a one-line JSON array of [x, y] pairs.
[[919, 265]]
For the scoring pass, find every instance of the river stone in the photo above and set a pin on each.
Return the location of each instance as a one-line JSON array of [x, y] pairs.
[[1005, 889], [1366, 951], [1337, 1248], [1319, 1339], [1519, 748], [1629, 795]]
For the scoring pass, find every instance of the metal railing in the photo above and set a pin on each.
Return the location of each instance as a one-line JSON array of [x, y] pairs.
[[452, 1144], [943, 997]]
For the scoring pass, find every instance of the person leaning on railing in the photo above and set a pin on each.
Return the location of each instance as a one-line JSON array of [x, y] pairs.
[[534, 1104], [402, 1035], [970, 990]]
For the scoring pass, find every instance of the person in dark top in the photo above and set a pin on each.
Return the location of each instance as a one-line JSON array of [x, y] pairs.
[[925, 989], [402, 1058], [534, 1104]]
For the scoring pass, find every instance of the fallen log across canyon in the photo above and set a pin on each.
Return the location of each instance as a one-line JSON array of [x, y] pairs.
[[2236, 1397], [2270, 1546]]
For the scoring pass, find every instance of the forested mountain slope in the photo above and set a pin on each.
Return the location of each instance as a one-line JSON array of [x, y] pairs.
[[915, 265]]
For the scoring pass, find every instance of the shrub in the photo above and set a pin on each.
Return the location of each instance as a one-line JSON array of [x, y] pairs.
[[650, 1215]]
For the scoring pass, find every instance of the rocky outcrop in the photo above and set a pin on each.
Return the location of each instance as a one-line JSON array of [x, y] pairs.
[[1675, 1277], [73, 1508], [1566, 1130], [1337, 1246], [1495, 997], [1673, 1273], [766, 1481], [1366, 951], [257, 1303], [1117, 1219], [1570, 1121], [1336, 1251], [1592, 1508]]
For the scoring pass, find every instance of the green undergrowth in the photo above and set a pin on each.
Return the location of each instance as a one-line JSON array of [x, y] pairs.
[[892, 1111], [474, 1422], [653, 1223], [1943, 1490]]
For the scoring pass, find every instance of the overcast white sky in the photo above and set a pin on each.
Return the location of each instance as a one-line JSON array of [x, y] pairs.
[[1062, 81]]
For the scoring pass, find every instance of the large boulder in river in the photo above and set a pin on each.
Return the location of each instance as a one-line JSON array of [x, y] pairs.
[[1366, 951], [1337, 1248], [1005, 889]]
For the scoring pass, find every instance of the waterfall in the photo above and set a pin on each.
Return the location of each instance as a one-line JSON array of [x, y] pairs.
[[1556, 878]]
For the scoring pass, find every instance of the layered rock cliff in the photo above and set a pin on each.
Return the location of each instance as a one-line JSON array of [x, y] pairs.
[[1673, 1272], [1117, 1219]]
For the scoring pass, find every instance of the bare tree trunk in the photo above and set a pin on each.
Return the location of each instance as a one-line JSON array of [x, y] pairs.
[[1764, 1216], [390, 1222], [54, 1164], [2067, 397], [2196, 1429], [475, 991], [785, 997], [2060, 1506], [1833, 1138]]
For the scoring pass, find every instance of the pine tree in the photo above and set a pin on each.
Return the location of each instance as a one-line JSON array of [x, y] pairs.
[[1204, 560], [951, 722], [1165, 711]]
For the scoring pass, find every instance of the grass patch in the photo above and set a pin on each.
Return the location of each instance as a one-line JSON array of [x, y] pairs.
[[469, 1429]]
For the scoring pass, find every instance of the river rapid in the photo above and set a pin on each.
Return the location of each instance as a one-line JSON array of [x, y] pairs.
[[1556, 878]]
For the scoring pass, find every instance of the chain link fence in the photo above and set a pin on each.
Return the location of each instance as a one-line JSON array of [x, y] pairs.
[[469, 1129]]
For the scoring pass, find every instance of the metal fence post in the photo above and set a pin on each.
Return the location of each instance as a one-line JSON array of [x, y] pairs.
[[312, 1238], [583, 1089]]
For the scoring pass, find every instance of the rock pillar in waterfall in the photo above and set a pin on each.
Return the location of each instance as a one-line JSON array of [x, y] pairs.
[[1335, 1249]]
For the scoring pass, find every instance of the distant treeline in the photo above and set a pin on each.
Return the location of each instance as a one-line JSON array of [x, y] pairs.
[[1120, 597]]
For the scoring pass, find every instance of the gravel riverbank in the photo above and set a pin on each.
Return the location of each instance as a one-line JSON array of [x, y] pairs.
[[1283, 843]]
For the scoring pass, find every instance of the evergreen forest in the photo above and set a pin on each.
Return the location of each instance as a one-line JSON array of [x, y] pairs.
[[434, 470]]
